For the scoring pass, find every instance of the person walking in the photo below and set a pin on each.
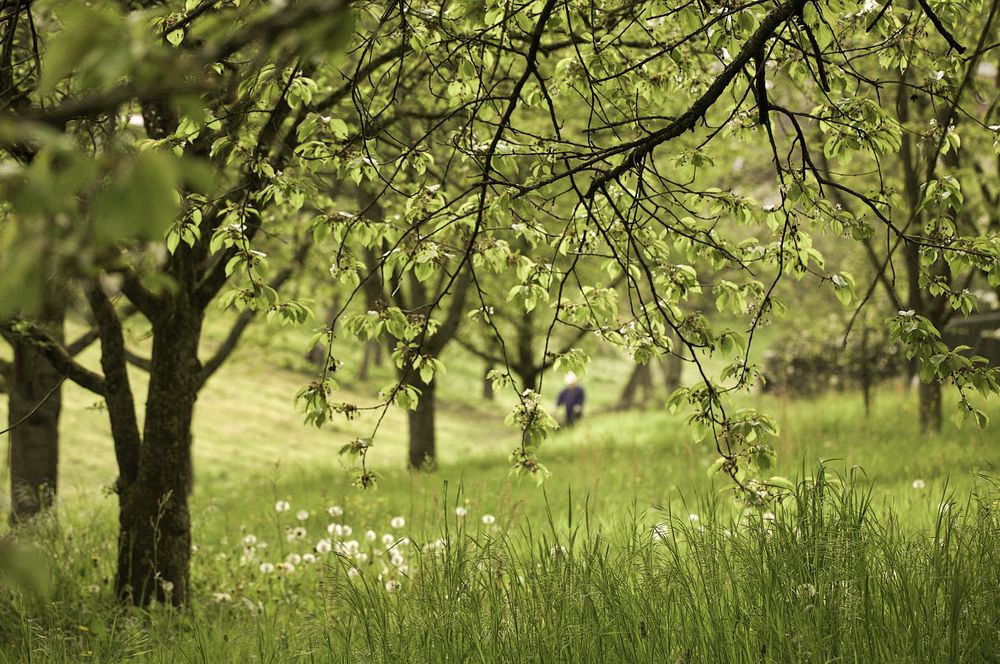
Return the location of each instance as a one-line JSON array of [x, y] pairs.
[[571, 398]]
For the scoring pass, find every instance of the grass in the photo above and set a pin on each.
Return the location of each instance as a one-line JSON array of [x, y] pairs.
[[827, 577], [869, 569]]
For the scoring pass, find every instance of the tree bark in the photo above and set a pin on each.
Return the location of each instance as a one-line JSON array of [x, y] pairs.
[[673, 368], [865, 371], [371, 356], [421, 430], [35, 401], [155, 542], [930, 406], [488, 393], [639, 380]]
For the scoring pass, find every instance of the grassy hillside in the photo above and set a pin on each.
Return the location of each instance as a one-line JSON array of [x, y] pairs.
[[915, 537], [246, 425]]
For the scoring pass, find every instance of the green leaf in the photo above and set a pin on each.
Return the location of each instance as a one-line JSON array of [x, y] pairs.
[[139, 202]]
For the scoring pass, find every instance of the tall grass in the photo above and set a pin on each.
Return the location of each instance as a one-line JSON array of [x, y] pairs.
[[824, 577]]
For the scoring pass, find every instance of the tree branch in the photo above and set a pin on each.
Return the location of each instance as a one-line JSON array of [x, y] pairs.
[[53, 351], [118, 391], [642, 148]]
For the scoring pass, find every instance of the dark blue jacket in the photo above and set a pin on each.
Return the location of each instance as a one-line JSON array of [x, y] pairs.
[[572, 398]]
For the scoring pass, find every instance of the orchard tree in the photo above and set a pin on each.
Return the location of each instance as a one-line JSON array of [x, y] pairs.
[[158, 139]]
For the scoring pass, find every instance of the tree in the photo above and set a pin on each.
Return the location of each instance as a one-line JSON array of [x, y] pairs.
[[241, 109]]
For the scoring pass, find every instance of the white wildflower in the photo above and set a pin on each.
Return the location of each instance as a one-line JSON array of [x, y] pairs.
[[489, 519], [324, 546], [461, 511], [661, 531], [918, 484], [302, 515], [282, 506], [397, 522], [266, 568], [335, 510]]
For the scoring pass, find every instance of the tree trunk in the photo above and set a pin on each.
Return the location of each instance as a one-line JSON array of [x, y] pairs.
[[930, 406], [371, 356], [422, 439], [865, 371], [673, 368], [488, 393], [155, 542], [529, 373], [34, 442], [639, 380]]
